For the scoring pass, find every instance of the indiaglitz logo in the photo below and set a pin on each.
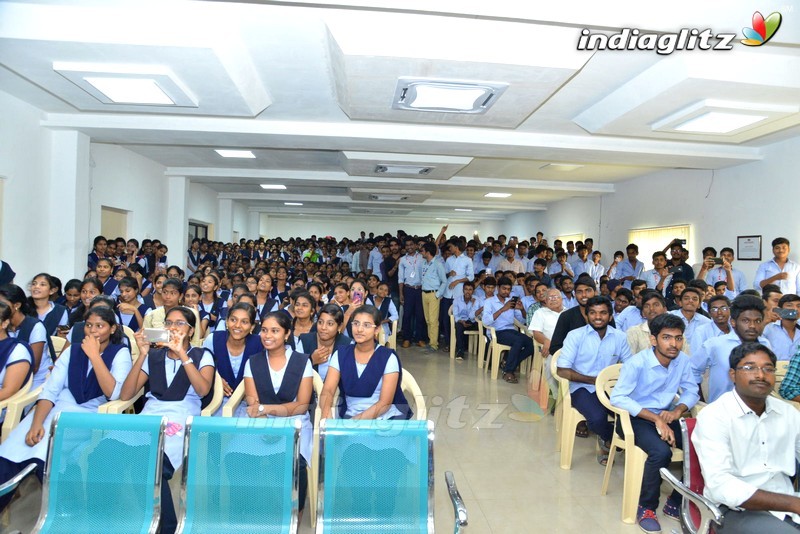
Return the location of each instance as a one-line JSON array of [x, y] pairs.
[[666, 43], [762, 30]]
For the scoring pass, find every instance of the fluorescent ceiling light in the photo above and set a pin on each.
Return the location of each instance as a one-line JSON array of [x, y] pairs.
[[446, 96], [560, 167], [248, 154], [497, 195], [387, 168], [131, 90], [128, 84], [292, 203], [442, 219], [462, 209], [719, 122], [272, 186]]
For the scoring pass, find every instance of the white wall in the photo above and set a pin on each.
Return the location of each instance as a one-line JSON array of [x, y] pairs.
[[25, 166], [338, 228], [523, 224], [202, 205], [758, 198], [125, 180]]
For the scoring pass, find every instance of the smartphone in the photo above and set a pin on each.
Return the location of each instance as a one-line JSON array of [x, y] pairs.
[[358, 297], [156, 335], [514, 300], [717, 261], [682, 241], [674, 270], [785, 313]]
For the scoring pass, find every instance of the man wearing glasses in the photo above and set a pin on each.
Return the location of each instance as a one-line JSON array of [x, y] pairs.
[[719, 308], [748, 444], [747, 320]]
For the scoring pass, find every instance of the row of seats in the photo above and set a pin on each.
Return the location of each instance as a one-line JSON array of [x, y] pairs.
[[697, 510], [104, 474]]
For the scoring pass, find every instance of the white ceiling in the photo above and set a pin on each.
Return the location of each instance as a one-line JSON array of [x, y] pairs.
[[308, 87]]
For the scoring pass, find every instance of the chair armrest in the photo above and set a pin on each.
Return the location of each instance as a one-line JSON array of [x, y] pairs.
[[216, 399], [15, 408], [234, 400], [708, 510], [119, 406], [11, 484], [458, 503]]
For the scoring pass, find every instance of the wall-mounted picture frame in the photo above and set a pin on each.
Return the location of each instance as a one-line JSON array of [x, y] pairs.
[[748, 247]]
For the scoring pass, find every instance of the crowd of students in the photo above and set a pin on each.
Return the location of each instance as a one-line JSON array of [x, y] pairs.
[[268, 313]]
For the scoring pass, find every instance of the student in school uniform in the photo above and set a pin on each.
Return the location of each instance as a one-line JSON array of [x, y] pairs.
[[130, 312], [99, 247], [303, 311], [368, 375], [28, 329], [179, 376], [84, 377], [12, 353], [266, 301], [52, 315], [105, 272], [383, 302], [323, 342], [231, 348]]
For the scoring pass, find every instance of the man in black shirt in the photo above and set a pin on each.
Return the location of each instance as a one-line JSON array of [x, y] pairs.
[[575, 317]]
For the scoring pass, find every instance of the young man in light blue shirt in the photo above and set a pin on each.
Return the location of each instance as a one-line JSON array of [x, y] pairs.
[[500, 312], [434, 282], [630, 269], [587, 351], [465, 307], [646, 388]]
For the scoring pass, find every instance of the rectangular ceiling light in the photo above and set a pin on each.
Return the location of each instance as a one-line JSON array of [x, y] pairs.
[[497, 195], [225, 153], [462, 209], [272, 186], [560, 167], [387, 168], [718, 122], [131, 90], [292, 203], [446, 96], [442, 219]]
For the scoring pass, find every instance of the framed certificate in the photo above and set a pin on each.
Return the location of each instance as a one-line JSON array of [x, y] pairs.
[[748, 247]]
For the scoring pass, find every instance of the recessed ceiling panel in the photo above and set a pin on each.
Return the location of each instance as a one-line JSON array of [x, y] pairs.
[[407, 166]]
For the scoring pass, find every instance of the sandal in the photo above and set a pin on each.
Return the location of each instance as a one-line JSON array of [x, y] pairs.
[[582, 430], [510, 378], [602, 459]]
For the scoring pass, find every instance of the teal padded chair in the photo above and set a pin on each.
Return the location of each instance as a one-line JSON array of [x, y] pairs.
[[240, 475], [378, 477], [103, 474]]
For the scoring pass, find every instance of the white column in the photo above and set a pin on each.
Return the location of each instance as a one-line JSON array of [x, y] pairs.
[[69, 210], [177, 223], [253, 225], [224, 230]]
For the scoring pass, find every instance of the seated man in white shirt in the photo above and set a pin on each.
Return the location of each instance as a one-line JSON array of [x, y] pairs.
[[542, 325], [748, 444]]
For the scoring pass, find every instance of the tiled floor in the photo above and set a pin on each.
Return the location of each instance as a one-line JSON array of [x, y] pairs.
[[507, 470]]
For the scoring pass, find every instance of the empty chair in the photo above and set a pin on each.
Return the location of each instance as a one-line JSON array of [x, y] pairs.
[[103, 474], [377, 476], [241, 476]]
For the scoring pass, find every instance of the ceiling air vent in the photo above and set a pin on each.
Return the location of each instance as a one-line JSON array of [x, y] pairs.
[[393, 198], [403, 169]]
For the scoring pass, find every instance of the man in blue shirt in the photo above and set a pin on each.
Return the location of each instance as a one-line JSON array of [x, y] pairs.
[[647, 385], [784, 335], [409, 278], [632, 268], [465, 307], [587, 351], [434, 282], [747, 320], [500, 312]]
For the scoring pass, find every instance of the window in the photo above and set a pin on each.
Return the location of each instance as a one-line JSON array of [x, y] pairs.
[[651, 240], [197, 230], [569, 237]]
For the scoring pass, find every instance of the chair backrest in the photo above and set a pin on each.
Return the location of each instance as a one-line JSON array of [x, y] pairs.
[[58, 343], [128, 331], [604, 384], [103, 473], [375, 477], [781, 368], [563, 383], [240, 475], [411, 391]]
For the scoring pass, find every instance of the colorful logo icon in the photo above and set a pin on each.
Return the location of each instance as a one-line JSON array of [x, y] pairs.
[[762, 30]]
